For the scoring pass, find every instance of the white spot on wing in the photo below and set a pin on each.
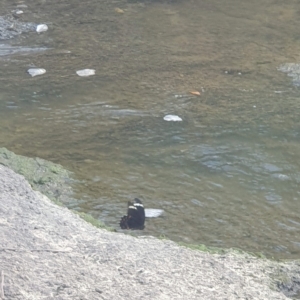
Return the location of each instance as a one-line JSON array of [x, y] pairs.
[[132, 207]]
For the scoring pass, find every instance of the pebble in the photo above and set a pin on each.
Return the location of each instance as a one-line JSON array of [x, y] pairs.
[[173, 118], [41, 28], [85, 72], [36, 71]]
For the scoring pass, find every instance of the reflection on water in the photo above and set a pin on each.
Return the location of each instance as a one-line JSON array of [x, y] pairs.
[[227, 175]]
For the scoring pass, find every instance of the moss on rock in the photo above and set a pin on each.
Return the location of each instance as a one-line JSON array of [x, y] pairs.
[[49, 178]]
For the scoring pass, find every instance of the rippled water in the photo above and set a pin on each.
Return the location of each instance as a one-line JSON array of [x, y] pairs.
[[227, 175]]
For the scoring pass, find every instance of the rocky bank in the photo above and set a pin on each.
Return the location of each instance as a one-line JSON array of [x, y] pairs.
[[48, 252]]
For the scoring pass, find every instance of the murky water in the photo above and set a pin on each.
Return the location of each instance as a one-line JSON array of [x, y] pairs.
[[228, 175]]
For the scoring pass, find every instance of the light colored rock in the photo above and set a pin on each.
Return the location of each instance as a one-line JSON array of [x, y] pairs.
[[85, 72], [36, 71], [41, 28], [173, 118]]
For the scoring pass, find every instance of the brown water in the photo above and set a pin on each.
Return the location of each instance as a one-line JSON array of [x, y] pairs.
[[228, 175]]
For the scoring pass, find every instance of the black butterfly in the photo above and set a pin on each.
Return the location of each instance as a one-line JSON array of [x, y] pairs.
[[135, 218]]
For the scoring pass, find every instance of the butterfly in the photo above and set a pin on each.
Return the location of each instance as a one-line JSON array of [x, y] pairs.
[[135, 218]]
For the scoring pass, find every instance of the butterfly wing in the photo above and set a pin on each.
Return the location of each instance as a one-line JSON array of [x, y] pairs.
[[135, 218], [124, 222], [141, 212]]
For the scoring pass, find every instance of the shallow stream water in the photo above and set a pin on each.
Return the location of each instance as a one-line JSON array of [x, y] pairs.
[[227, 175]]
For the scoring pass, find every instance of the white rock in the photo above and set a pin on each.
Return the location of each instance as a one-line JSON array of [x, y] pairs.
[[19, 12], [172, 118], [41, 28], [85, 72], [153, 213], [36, 71]]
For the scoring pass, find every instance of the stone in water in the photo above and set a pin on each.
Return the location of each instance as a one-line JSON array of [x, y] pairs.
[[153, 213], [85, 72], [41, 28], [172, 118], [36, 71]]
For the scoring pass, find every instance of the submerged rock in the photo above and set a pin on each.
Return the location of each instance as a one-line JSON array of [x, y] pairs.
[[292, 70], [11, 27], [153, 212]]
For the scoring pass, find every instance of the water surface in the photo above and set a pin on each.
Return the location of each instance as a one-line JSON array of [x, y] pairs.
[[227, 175]]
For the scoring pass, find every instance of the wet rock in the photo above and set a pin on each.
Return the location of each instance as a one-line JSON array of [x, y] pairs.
[[41, 28], [86, 72], [172, 118], [36, 71]]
